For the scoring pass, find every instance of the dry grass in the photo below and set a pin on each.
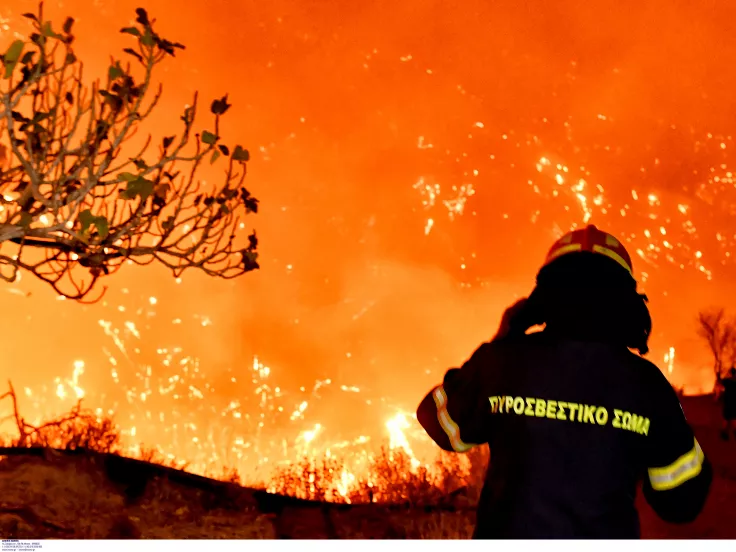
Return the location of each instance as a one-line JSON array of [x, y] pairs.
[[70, 497], [58, 493]]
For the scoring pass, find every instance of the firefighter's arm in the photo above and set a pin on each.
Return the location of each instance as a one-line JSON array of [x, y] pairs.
[[453, 413], [679, 475]]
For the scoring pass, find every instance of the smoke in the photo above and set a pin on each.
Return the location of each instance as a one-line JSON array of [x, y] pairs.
[[333, 100]]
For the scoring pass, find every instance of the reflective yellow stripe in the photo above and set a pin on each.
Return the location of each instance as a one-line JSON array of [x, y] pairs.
[[564, 249], [448, 424], [596, 248], [613, 255], [610, 240], [683, 469]]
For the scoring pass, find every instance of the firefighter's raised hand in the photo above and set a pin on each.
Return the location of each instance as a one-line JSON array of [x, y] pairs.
[[516, 320]]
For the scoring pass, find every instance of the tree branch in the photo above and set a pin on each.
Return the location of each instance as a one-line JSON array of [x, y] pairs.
[[69, 191]]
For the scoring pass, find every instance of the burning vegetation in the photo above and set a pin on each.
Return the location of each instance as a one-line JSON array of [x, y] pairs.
[[55, 493], [413, 191]]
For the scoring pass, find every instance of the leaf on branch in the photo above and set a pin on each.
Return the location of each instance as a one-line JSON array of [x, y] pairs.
[[187, 116], [47, 31], [68, 23], [167, 141], [87, 220], [167, 46], [250, 261], [224, 149], [215, 156], [131, 31], [140, 164], [219, 107], [251, 205], [112, 100], [142, 17], [133, 53], [115, 72], [209, 138], [12, 56], [127, 177], [31, 16], [103, 227], [19, 117], [241, 154], [140, 187], [40, 116], [27, 58]]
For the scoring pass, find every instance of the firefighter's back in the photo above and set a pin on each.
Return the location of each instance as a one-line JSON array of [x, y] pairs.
[[568, 430], [574, 420]]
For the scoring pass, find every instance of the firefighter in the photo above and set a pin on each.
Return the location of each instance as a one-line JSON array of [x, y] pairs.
[[574, 419], [728, 396]]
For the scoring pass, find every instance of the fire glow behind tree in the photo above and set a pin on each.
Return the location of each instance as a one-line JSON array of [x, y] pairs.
[[414, 161]]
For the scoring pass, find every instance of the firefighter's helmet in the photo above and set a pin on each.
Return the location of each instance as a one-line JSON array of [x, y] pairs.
[[594, 241]]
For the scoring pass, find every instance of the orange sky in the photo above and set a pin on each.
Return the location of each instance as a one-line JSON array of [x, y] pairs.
[[332, 99]]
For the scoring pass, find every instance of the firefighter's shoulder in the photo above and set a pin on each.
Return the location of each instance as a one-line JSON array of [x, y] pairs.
[[650, 374], [655, 393]]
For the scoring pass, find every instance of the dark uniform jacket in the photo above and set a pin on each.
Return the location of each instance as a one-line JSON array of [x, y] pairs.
[[573, 427]]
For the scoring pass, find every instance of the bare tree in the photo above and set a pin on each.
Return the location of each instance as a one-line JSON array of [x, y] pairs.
[[719, 331], [75, 192]]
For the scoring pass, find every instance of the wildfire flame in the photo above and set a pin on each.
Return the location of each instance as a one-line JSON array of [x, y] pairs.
[[475, 187]]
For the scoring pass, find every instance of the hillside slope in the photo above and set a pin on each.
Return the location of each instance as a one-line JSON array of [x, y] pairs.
[[54, 495]]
